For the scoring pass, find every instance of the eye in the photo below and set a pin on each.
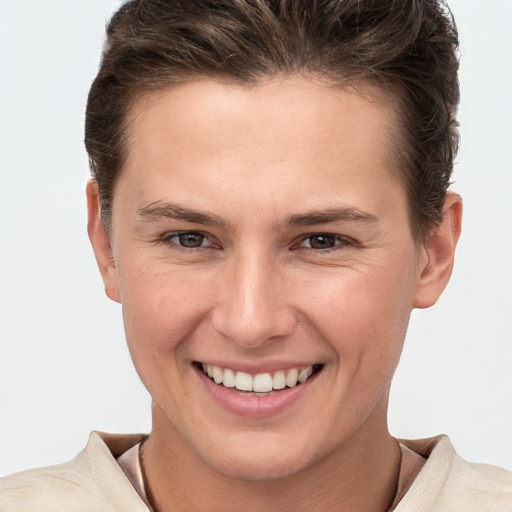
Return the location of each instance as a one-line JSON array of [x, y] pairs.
[[324, 241], [188, 239]]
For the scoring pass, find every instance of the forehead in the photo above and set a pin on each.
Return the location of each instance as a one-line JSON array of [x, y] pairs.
[[275, 139], [273, 107]]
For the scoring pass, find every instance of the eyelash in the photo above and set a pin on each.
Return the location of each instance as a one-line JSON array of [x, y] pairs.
[[341, 242], [166, 238]]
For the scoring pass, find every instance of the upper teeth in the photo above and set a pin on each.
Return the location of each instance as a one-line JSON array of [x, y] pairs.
[[259, 383]]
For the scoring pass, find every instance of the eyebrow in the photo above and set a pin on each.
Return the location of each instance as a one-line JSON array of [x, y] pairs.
[[163, 210], [159, 210], [331, 215]]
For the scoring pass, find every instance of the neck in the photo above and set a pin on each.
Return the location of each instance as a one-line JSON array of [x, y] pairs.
[[361, 475]]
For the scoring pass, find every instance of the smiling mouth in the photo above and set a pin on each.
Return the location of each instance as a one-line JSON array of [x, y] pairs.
[[261, 384]]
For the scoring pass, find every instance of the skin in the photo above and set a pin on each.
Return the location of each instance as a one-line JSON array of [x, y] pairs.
[[272, 165]]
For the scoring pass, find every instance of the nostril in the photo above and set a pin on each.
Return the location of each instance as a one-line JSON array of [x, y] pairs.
[[251, 311]]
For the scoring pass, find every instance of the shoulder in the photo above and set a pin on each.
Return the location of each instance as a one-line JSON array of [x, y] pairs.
[[448, 482], [482, 486], [59, 486], [92, 481]]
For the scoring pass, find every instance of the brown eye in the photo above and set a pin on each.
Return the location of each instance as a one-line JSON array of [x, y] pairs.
[[189, 239], [321, 241]]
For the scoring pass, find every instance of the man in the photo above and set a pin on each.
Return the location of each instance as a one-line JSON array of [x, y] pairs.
[[269, 202]]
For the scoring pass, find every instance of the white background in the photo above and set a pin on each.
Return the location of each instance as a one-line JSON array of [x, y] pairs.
[[64, 368]]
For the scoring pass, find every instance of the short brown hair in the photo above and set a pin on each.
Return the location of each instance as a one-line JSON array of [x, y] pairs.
[[407, 47]]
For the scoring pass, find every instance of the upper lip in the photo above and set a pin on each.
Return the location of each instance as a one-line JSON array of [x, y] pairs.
[[254, 368]]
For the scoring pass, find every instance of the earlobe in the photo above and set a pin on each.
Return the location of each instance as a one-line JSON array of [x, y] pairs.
[[101, 243], [439, 252]]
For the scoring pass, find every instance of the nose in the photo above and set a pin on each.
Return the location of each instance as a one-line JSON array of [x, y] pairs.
[[252, 306]]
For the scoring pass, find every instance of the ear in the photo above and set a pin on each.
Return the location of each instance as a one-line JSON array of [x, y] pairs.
[[439, 251], [101, 242]]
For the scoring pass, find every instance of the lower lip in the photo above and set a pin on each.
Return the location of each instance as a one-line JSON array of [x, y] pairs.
[[256, 406]]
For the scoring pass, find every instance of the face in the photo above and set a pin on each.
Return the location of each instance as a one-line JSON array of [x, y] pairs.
[[260, 234]]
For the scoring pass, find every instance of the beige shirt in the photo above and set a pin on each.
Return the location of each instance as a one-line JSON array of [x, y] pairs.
[[94, 481]]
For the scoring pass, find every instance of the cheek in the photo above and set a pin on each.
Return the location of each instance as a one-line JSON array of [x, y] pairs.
[[161, 307], [162, 310], [364, 313]]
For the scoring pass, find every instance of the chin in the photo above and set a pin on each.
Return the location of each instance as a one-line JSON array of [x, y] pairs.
[[243, 468], [259, 461]]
